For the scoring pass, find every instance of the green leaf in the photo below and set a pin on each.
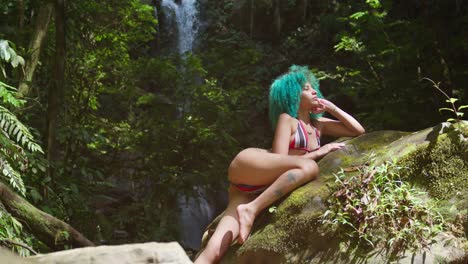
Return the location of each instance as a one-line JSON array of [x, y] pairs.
[[462, 107], [348, 43], [146, 99], [6, 85], [446, 109], [4, 50], [18, 226], [358, 15], [41, 167], [373, 3], [451, 100]]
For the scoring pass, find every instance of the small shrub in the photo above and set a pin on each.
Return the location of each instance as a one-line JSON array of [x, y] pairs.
[[375, 206]]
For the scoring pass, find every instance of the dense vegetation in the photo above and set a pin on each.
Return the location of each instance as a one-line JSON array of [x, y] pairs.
[[127, 125]]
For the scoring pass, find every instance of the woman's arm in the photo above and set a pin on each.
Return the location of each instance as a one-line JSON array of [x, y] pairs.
[[282, 134], [316, 154], [345, 126]]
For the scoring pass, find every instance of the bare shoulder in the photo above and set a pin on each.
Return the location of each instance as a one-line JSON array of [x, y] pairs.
[[286, 120]]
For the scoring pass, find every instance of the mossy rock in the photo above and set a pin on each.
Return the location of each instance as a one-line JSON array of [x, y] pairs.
[[292, 234]]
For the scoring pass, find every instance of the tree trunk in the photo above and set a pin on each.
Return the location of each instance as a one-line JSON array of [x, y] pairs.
[[48, 229], [303, 11], [39, 34], [252, 16], [21, 15], [56, 90], [277, 21]]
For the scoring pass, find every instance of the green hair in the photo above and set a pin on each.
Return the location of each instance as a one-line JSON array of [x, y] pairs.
[[285, 92]]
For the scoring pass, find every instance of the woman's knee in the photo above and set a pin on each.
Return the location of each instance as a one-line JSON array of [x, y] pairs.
[[310, 169]]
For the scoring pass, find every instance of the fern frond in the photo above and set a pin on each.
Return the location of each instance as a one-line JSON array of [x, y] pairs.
[[13, 177], [12, 152], [16, 131]]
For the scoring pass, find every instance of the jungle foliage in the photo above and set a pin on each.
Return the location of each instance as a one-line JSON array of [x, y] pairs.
[[139, 126], [376, 208]]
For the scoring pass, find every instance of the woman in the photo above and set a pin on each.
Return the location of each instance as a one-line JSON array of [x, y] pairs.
[[260, 177]]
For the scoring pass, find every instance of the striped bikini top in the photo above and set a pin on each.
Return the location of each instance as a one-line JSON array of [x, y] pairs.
[[301, 138]]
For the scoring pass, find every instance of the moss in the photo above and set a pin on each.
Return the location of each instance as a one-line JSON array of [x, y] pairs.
[[375, 140], [358, 151], [39, 221], [441, 167], [281, 231], [26, 211], [283, 235]]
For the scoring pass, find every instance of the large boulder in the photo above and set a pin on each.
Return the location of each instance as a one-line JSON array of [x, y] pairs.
[[6, 256], [435, 158], [123, 254]]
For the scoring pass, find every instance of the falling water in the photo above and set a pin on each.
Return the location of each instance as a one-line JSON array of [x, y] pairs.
[[186, 18], [196, 211], [195, 214]]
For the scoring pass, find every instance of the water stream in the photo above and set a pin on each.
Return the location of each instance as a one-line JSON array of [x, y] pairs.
[[196, 211], [185, 15]]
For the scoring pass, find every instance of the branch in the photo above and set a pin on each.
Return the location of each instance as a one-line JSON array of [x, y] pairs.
[[45, 227], [12, 242]]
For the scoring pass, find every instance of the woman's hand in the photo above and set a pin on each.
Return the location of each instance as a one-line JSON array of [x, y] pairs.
[[345, 126], [323, 105], [324, 150]]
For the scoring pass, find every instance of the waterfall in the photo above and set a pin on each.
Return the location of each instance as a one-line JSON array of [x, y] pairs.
[[195, 214], [186, 17], [181, 23]]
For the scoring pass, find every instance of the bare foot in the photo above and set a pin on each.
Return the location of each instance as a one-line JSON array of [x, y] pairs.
[[246, 219]]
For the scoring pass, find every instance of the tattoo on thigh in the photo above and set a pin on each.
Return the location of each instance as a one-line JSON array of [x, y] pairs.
[[279, 193], [292, 177]]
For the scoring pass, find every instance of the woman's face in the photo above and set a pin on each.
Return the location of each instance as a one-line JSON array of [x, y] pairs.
[[308, 97]]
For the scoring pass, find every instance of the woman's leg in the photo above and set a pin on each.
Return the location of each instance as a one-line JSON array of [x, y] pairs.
[[282, 173], [227, 229], [255, 166]]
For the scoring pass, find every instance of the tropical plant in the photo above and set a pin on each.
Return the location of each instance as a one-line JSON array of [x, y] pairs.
[[15, 136], [379, 209], [450, 100], [13, 236], [15, 142]]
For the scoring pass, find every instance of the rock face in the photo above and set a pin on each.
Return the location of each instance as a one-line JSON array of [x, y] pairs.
[[124, 254], [437, 160], [6, 256]]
